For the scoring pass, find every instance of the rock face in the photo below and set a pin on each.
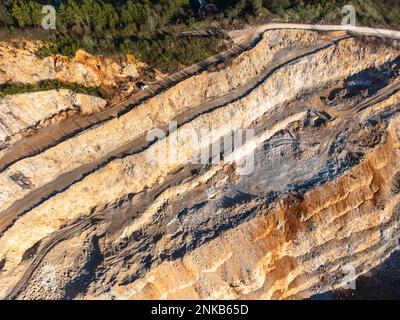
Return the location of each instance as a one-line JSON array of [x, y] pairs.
[[24, 114], [273, 176]]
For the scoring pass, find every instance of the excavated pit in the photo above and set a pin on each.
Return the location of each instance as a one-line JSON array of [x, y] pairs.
[[309, 204]]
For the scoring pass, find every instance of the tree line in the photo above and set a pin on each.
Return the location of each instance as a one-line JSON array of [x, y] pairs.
[[147, 28]]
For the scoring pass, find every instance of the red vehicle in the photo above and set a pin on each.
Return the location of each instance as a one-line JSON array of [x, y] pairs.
[[211, 7]]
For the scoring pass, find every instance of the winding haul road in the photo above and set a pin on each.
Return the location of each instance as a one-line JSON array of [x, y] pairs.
[[243, 41]]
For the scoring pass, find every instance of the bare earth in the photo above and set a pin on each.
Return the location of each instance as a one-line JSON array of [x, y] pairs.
[[85, 213]]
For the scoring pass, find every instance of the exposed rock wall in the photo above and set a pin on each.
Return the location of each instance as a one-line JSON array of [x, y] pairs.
[[320, 203], [20, 64], [23, 114]]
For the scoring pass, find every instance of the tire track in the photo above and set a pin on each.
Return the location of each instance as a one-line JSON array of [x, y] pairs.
[[55, 134], [63, 182], [82, 225], [55, 239]]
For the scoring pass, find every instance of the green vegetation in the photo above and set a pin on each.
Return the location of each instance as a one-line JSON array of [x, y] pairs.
[[148, 28], [10, 89]]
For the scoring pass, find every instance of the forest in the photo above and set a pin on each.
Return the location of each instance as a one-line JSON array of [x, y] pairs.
[[149, 28]]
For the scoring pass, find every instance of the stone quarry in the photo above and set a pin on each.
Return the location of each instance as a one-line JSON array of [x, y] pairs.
[[89, 211]]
